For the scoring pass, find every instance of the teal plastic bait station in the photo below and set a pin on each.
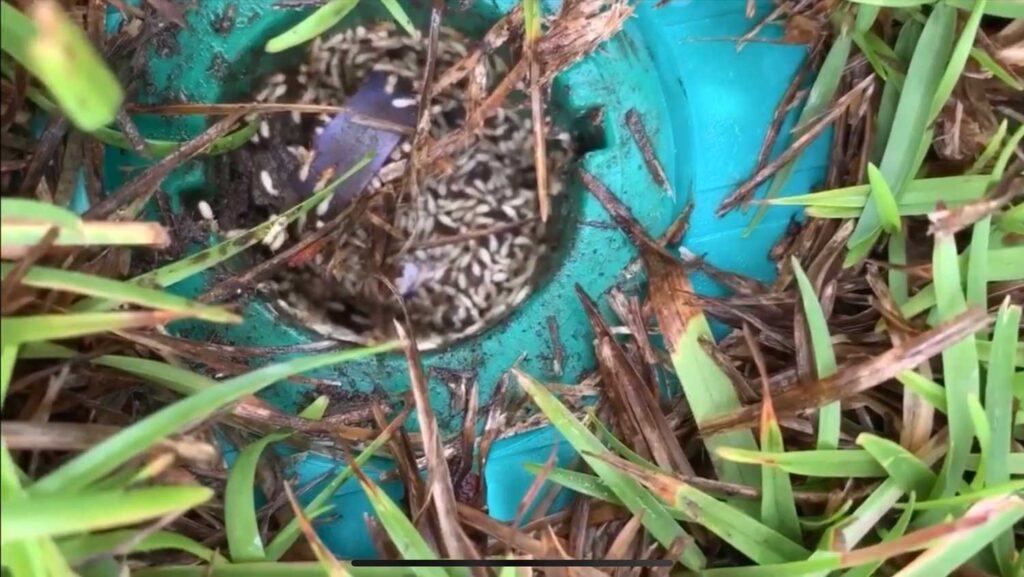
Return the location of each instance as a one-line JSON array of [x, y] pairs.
[[705, 107]]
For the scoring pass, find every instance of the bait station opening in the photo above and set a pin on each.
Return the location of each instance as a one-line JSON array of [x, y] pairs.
[[456, 252]]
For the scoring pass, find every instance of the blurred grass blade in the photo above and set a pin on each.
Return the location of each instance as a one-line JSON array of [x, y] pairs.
[[400, 529], [994, 517], [1013, 9], [30, 210], [994, 145], [957, 60], [885, 203], [897, 531], [899, 162], [243, 531], [59, 53], [925, 388], [820, 97], [8, 356], [778, 509], [266, 569], [959, 366], [17, 330], [977, 263], [106, 456], [984, 435], [903, 467], [989, 64], [830, 415], [920, 196], [287, 536], [118, 291], [1009, 488], [80, 548], [394, 7], [50, 516], [191, 265], [755, 540], [894, 3], [836, 464], [633, 496], [998, 407], [312, 26], [174, 378]]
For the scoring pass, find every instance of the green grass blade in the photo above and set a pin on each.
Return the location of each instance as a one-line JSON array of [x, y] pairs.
[[1013, 9], [16, 209], [606, 436], [907, 39], [957, 60], [756, 540], [192, 265], [952, 552], [582, 483], [925, 388], [901, 465], [315, 24], [17, 330], [106, 456], [405, 536], [173, 378], [897, 531], [59, 53], [926, 192], [991, 66], [984, 435], [394, 7], [959, 365], [8, 356], [899, 284], [287, 536], [899, 162], [633, 496], [78, 549], [778, 508], [824, 357], [837, 464], [1012, 220], [49, 517], [118, 291], [1003, 490], [818, 99], [243, 531], [994, 145], [998, 407], [977, 263], [1004, 156], [885, 203]]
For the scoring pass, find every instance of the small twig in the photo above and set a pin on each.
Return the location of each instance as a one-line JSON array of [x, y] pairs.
[[643, 141]]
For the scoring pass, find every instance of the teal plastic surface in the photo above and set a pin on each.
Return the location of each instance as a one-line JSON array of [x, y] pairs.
[[706, 108]]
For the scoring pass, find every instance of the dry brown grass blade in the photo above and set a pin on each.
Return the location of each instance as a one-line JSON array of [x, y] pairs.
[[143, 185], [953, 220], [579, 516], [852, 380], [744, 191], [620, 375], [625, 542], [45, 152], [509, 536], [54, 436], [323, 554], [454, 542]]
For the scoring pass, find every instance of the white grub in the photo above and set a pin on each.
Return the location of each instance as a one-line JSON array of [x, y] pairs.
[[205, 210], [264, 129], [324, 206], [403, 102], [268, 183]]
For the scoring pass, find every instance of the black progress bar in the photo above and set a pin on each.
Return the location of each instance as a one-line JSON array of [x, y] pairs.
[[513, 563]]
